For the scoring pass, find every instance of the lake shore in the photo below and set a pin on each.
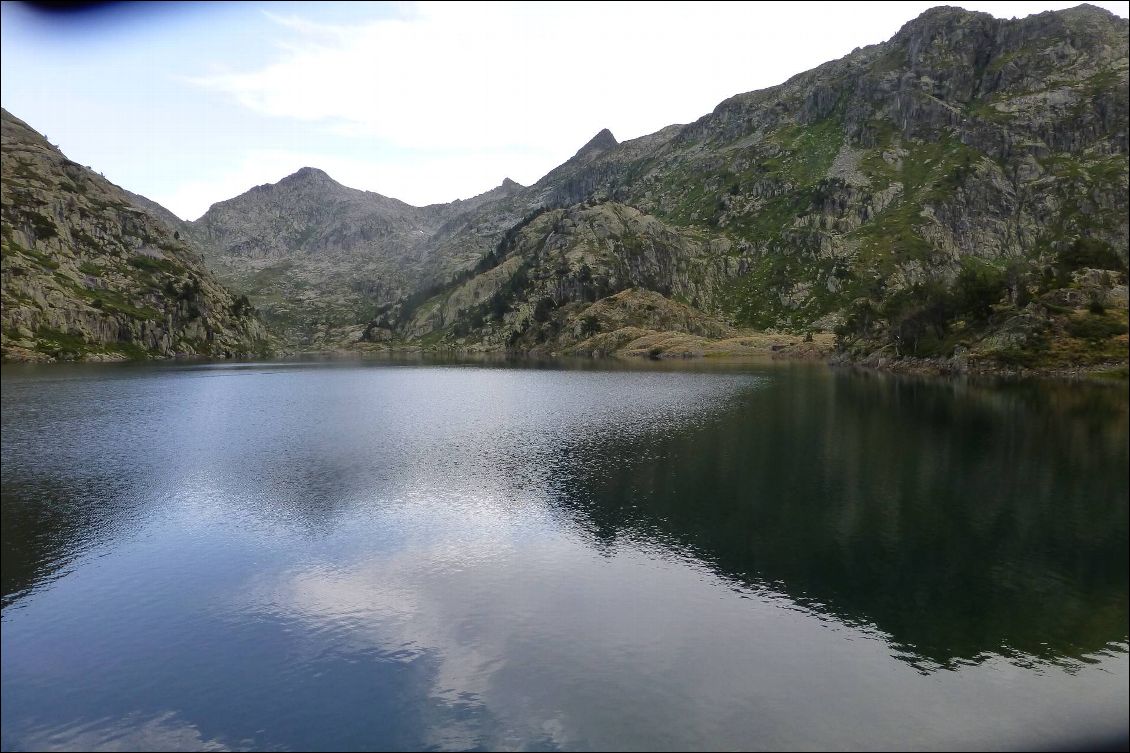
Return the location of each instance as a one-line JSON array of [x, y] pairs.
[[674, 346]]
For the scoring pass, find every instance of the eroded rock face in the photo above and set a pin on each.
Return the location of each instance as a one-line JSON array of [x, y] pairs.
[[87, 273], [563, 260]]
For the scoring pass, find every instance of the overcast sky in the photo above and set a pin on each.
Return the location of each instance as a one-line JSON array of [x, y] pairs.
[[190, 104]]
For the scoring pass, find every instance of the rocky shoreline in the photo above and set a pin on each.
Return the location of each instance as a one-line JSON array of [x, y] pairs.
[[775, 347], [963, 367], [761, 345]]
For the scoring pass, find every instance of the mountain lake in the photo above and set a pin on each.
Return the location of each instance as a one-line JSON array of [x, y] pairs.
[[445, 554]]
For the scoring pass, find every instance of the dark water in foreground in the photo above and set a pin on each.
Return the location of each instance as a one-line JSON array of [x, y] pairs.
[[337, 556]]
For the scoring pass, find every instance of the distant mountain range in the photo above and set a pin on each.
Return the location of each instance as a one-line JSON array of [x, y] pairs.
[[959, 192]]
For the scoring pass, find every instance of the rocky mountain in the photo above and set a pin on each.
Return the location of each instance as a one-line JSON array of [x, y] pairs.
[[959, 191], [319, 258], [89, 273]]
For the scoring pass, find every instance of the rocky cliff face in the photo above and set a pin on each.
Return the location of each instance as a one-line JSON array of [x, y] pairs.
[[961, 189], [531, 288], [87, 273]]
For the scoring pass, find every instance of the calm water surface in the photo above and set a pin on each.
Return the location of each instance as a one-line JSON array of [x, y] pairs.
[[345, 556]]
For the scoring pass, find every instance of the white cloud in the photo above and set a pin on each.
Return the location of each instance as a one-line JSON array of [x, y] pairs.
[[469, 76], [531, 83], [136, 731]]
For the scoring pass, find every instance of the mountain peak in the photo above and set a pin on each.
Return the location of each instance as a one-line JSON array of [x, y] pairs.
[[303, 177], [1086, 10], [931, 20], [601, 142], [309, 174]]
